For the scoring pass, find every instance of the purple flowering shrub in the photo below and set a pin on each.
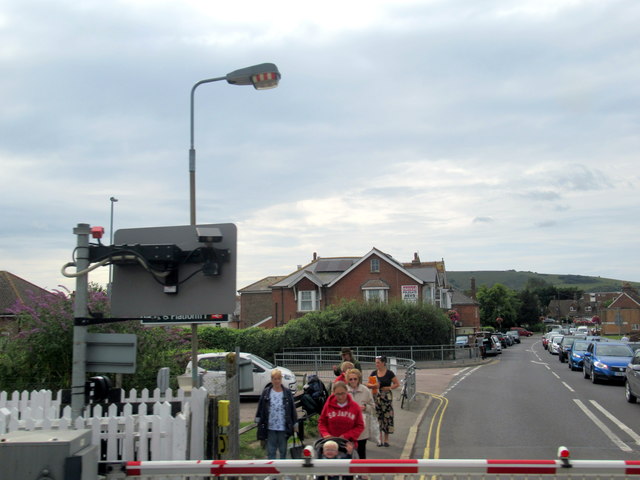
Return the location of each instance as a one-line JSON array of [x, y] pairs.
[[36, 351]]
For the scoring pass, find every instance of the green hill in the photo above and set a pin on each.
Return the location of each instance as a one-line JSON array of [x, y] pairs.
[[517, 280]]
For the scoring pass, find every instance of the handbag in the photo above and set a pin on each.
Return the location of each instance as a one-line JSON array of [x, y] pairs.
[[374, 429], [297, 448]]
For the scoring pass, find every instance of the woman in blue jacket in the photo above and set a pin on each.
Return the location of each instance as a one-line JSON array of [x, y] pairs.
[[276, 416]]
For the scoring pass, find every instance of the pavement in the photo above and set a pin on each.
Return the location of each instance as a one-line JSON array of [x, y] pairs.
[[407, 421]]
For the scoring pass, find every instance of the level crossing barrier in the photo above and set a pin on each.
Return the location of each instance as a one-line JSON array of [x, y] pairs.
[[407, 469]]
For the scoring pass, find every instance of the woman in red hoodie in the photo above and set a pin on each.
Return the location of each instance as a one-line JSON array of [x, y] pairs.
[[341, 416]]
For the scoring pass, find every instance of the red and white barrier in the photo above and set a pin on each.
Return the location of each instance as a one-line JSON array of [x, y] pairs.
[[262, 468]]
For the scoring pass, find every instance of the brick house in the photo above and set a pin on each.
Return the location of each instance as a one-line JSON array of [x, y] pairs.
[[623, 315], [375, 276]]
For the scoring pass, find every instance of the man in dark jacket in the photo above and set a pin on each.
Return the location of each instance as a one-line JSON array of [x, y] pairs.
[[276, 416]]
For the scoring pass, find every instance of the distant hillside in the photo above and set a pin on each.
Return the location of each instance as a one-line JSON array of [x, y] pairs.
[[518, 280]]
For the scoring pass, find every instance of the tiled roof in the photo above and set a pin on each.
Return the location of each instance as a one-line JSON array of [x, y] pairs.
[[13, 288], [262, 285]]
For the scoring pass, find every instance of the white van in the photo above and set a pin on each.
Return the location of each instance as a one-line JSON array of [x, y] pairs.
[[582, 329]]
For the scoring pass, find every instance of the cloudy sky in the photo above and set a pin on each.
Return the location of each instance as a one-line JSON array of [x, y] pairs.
[[495, 134]]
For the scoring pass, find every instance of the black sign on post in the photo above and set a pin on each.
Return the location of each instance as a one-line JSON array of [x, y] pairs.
[[190, 273]]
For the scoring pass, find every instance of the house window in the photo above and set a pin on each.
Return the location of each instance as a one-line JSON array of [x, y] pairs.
[[308, 301], [587, 308], [375, 295], [572, 308], [635, 326], [375, 265]]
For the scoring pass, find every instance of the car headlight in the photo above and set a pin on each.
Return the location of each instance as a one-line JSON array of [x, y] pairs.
[[601, 365], [288, 377], [575, 355]]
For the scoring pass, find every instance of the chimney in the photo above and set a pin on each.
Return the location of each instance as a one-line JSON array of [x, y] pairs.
[[473, 288], [315, 256], [416, 259]]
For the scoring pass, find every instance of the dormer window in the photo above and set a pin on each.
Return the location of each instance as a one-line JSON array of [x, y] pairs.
[[375, 265]]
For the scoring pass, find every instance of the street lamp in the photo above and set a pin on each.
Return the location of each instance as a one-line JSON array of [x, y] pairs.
[[113, 200], [262, 77]]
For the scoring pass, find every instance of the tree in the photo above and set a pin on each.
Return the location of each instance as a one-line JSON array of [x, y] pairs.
[[529, 310], [495, 302]]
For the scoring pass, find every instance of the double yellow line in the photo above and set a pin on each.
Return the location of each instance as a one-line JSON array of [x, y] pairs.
[[435, 427]]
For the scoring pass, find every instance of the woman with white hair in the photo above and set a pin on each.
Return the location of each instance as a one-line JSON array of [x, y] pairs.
[[276, 416]]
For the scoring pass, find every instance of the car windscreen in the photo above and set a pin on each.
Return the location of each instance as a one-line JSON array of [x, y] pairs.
[[262, 362], [579, 346], [614, 350]]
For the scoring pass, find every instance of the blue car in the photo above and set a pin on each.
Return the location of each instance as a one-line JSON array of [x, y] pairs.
[[575, 354], [606, 361]]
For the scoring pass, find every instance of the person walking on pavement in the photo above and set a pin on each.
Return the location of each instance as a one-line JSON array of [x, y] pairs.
[[362, 396], [276, 416], [347, 356], [386, 383], [341, 416]]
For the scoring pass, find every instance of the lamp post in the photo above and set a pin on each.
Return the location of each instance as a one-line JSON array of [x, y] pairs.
[[112, 200], [262, 77]]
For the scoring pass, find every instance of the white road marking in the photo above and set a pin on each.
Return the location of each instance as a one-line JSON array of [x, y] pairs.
[[568, 386], [466, 374], [620, 425], [612, 436], [462, 370]]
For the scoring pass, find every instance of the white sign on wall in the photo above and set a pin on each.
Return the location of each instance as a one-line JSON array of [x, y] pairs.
[[410, 293]]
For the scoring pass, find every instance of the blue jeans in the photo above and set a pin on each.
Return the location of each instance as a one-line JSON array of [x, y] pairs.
[[276, 440]]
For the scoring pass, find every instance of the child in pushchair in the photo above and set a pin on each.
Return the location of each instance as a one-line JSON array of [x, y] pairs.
[[334, 448]]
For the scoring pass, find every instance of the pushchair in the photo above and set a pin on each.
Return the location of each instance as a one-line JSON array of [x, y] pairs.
[[342, 449]]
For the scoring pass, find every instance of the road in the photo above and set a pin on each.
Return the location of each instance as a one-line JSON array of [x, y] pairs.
[[525, 404]]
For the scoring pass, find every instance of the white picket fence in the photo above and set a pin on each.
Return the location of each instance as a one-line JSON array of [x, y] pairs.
[[155, 435]]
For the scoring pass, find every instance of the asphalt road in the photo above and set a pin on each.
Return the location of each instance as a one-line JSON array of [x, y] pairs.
[[525, 404]]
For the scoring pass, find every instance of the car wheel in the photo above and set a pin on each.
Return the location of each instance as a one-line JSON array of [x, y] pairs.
[[631, 398], [561, 358], [585, 373], [593, 377], [570, 365]]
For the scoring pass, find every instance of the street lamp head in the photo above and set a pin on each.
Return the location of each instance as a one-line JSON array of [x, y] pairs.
[[113, 199], [262, 77]]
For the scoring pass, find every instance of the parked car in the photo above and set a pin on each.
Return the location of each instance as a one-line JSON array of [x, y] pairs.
[[462, 341], [515, 335], [606, 361], [212, 369], [523, 332], [632, 378], [546, 338], [576, 354], [565, 347], [554, 344], [498, 344]]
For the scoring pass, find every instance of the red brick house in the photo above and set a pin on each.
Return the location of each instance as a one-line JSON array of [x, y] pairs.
[[623, 315], [375, 276]]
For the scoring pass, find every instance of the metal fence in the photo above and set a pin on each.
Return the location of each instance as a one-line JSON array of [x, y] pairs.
[[414, 353]]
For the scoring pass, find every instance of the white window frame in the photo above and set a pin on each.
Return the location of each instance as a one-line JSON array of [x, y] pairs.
[[374, 294], [314, 300], [374, 265]]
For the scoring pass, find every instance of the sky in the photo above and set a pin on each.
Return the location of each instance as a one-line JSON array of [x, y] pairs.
[[493, 134]]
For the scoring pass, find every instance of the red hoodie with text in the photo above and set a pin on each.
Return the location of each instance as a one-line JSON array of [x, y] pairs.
[[337, 421]]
